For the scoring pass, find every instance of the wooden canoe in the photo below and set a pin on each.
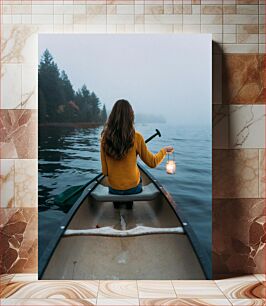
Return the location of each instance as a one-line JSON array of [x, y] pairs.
[[150, 241]]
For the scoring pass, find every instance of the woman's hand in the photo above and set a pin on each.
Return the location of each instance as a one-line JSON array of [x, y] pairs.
[[169, 149]]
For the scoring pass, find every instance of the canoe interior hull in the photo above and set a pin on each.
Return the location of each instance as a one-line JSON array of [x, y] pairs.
[[156, 256]]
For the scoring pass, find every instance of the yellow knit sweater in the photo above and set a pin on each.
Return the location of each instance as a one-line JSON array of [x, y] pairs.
[[124, 174]]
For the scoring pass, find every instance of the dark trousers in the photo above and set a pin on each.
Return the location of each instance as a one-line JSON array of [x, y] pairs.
[[133, 190]]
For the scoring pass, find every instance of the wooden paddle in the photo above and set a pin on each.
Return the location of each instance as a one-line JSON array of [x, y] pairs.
[[71, 194]]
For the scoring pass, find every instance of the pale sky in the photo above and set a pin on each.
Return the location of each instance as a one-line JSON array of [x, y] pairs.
[[167, 74]]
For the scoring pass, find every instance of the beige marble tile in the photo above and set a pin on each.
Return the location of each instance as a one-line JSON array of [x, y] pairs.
[[229, 28], [163, 19], [248, 9], [79, 9], [229, 9], [247, 126], [5, 279], [125, 9], [153, 9], [46, 302], [240, 19], [168, 9], [262, 172], [184, 302], [96, 19], [262, 38], [125, 28], [195, 9], [120, 19], [42, 19], [187, 9], [262, 9], [96, 9], [235, 173], [178, 9], [68, 19], [139, 28], [139, 19], [247, 29], [58, 19], [29, 97], [211, 28], [247, 38], [217, 38], [159, 28], [45, 28], [51, 289], [211, 9], [191, 28], [117, 302], [197, 289], [6, 9], [262, 49], [118, 289], [155, 289], [139, 8], [211, 19], [24, 277], [19, 44], [242, 287], [248, 302], [260, 277], [11, 86], [247, 1], [216, 2], [229, 38], [42, 9], [26, 174], [240, 48], [111, 10], [191, 19], [179, 27], [21, 9], [7, 182]]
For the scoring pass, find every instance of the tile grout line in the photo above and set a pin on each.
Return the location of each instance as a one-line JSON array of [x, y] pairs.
[[174, 289], [138, 292], [219, 289], [98, 289]]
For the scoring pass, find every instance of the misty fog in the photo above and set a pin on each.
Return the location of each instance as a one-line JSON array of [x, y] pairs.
[[162, 75]]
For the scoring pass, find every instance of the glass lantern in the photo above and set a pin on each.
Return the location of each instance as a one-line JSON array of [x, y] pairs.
[[170, 164]]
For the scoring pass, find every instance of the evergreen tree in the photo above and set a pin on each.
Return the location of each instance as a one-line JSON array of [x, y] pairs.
[[103, 114], [58, 102], [67, 87], [42, 109], [51, 85], [95, 104]]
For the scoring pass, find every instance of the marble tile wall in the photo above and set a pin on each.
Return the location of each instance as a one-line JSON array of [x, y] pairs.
[[238, 29]]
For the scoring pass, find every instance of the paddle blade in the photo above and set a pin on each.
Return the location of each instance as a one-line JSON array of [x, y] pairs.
[[66, 197]]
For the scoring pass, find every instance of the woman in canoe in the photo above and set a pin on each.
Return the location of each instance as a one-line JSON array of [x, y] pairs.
[[120, 146]]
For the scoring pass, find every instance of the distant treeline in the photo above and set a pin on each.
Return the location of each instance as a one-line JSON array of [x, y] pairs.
[[59, 103]]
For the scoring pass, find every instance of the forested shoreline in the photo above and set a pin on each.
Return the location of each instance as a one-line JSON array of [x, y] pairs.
[[60, 104]]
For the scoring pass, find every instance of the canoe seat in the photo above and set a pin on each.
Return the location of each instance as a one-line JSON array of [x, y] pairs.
[[101, 193]]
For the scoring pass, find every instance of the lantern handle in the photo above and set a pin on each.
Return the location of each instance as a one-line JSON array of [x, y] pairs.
[[173, 154]]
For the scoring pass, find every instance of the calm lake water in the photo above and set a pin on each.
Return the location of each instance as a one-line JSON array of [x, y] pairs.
[[69, 157]]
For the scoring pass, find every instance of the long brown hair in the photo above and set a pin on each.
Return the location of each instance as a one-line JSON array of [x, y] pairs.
[[118, 133]]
